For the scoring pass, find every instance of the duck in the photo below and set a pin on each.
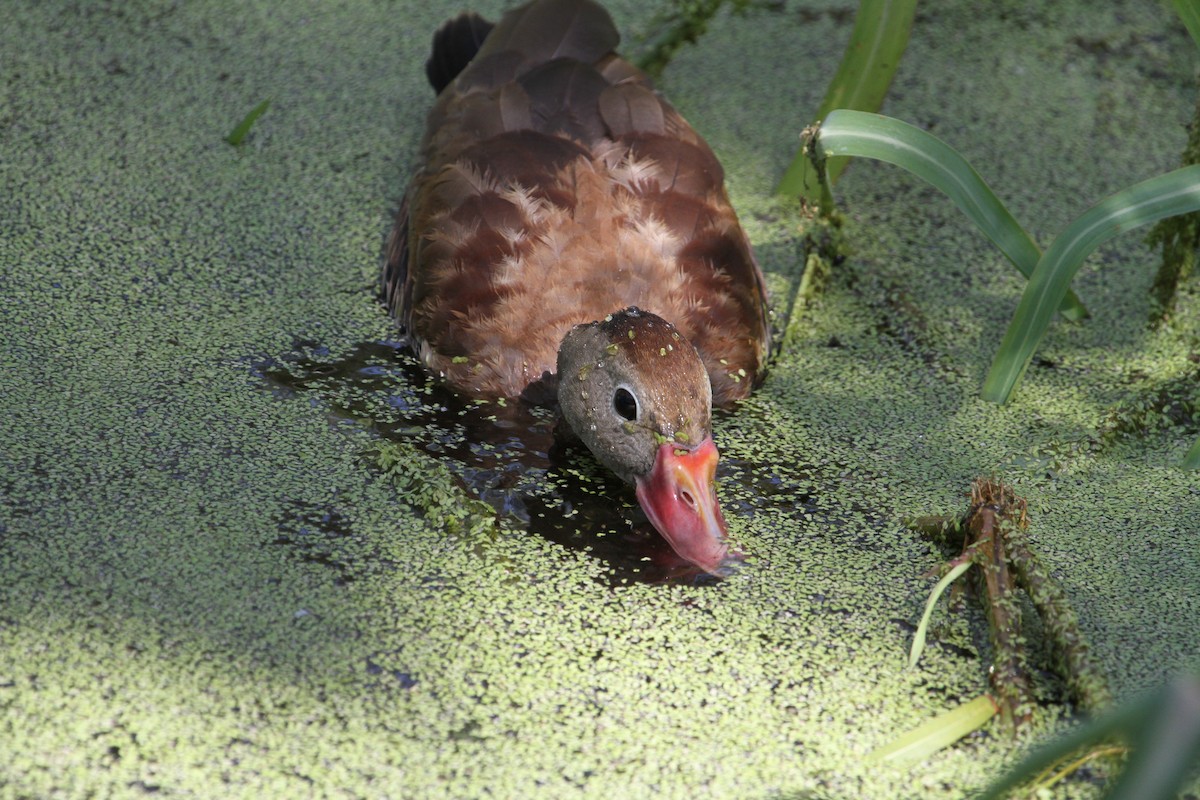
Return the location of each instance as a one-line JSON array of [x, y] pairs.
[[567, 236]]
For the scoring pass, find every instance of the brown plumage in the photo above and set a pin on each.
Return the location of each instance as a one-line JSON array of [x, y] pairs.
[[556, 187], [568, 226]]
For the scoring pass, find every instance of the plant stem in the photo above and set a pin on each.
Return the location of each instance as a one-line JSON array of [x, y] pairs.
[[996, 513], [1179, 237], [880, 36], [1072, 658], [994, 536]]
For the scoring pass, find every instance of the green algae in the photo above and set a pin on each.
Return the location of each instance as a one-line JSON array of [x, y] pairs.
[[155, 637], [427, 484]]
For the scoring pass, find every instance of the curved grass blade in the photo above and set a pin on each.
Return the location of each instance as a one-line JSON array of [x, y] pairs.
[[880, 36], [1047, 757], [1163, 725], [918, 643], [1189, 12], [856, 133], [236, 135], [941, 731], [1192, 459], [1176, 192], [1167, 747]]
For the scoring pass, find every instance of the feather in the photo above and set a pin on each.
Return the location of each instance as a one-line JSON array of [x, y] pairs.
[[490, 71], [575, 29], [564, 98], [514, 108], [685, 167], [454, 45], [395, 265], [684, 214], [629, 108]]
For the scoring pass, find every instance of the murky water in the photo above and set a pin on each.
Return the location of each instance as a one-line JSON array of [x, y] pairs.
[[505, 454]]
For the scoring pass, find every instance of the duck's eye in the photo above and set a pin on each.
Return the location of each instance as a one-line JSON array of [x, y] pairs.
[[625, 404]]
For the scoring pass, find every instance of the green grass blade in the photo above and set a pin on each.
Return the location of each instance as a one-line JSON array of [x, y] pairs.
[[1166, 749], [1166, 195], [1192, 459], [880, 36], [918, 643], [1189, 12], [1120, 721], [236, 135], [1162, 726], [941, 731], [856, 133]]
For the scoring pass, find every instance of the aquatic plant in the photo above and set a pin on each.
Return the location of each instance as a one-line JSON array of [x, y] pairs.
[[1179, 237], [992, 535], [1176, 192], [854, 133], [879, 39], [941, 731], [238, 134], [1157, 735], [1161, 735], [1189, 14], [684, 23], [896, 142], [427, 484]]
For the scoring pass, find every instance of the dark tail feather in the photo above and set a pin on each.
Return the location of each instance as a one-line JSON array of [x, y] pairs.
[[454, 45]]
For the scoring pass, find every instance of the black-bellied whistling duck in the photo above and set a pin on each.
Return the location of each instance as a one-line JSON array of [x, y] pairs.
[[568, 228]]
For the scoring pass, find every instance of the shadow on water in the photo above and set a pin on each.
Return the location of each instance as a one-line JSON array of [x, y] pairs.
[[505, 453]]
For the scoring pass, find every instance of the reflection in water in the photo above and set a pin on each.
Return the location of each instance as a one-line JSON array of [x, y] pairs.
[[506, 454]]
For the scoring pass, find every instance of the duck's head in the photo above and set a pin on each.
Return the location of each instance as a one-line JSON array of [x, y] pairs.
[[637, 394]]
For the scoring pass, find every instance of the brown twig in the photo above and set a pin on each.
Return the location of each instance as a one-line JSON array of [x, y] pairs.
[[993, 536], [995, 512], [1069, 650]]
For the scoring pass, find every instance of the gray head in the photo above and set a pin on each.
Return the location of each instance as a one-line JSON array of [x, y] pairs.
[[638, 396]]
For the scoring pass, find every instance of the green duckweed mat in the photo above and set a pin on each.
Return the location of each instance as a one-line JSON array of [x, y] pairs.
[[207, 591]]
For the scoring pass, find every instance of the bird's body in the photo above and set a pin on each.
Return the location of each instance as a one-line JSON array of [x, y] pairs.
[[558, 189]]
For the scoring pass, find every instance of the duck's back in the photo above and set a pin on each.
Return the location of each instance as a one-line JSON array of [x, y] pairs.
[[557, 187]]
